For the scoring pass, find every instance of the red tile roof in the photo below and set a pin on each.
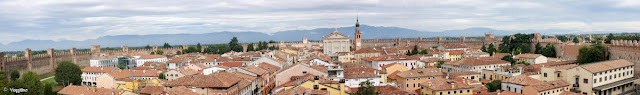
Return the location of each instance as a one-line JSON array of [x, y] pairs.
[[153, 90], [218, 79], [81, 90], [98, 69], [231, 64], [152, 56]]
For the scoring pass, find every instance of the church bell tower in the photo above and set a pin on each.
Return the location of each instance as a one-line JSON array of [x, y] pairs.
[[357, 41]]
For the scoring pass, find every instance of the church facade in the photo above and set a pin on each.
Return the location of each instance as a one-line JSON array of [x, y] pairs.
[[335, 42]]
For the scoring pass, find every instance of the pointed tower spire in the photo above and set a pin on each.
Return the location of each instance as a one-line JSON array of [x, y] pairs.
[[357, 21]]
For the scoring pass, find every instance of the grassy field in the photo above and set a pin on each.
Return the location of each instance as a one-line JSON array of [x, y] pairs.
[[46, 75], [51, 81]]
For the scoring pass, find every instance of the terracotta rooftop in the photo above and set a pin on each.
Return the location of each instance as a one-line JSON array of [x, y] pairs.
[[544, 86], [527, 55], [430, 60], [268, 67], [564, 67], [463, 73], [389, 58], [476, 61], [255, 70], [456, 52], [213, 80], [569, 93], [152, 56], [355, 70], [117, 74], [81, 90], [175, 61], [606, 65], [181, 90], [231, 64], [389, 65], [153, 90], [521, 80], [98, 69], [141, 68], [303, 91], [508, 93], [453, 46], [422, 72], [441, 84], [386, 90], [368, 50]]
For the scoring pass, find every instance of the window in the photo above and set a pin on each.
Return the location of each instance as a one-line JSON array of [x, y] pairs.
[[586, 80], [407, 85], [304, 72], [545, 74], [558, 74]]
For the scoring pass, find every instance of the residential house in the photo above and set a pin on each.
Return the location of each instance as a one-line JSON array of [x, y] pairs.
[[473, 64], [531, 58], [177, 73], [443, 86], [90, 74], [407, 61], [515, 84], [602, 78], [555, 87], [299, 69], [150, 58], [410, 80]]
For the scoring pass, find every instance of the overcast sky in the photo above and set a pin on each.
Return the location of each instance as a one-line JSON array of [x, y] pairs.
[[89, 19]]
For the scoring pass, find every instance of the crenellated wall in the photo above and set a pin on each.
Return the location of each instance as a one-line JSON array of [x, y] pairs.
[[44, 63]]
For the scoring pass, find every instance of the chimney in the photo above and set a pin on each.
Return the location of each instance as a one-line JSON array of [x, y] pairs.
[[341, 85], [453, 85], [430, 83]]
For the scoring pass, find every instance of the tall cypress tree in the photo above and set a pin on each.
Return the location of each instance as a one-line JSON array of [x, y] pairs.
[[250, 47]]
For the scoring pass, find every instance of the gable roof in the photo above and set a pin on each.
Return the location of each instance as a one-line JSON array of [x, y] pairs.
[[98, 69], [82, 90], [606, 65], [336, 33], [422, 72], [475, 62], [152, 56], [440, 84], [153, 90], [181, 90], [544, 86], [527, 55], [521, 80], [231, 64], [218, 79]]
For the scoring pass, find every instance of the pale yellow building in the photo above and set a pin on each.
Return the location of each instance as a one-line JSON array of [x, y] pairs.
[[442, 86]]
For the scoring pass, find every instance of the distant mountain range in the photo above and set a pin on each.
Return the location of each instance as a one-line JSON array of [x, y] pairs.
[[368, 32]]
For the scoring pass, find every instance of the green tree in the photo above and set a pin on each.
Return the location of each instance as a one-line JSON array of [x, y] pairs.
[[147, 47], [491, 49], [47, 90], [234, 45], [190, 50], [366, 88], [67, 72], [483, 48], [179, 52], [424, 51], [609, 38], [415, 50], [166, 45], [549, 50], [538, 49], [32, 82], [591, 54], [15, 74], [161, 76], [199, 47], [250, 47], [510, 59], [494, 85], [523, 62], [576, 40], [562, 38], [440, 63], [3, 77], [160, 52], [271, 41], [152, 53]]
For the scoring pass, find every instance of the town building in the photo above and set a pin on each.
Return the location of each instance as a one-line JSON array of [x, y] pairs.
[[335, 42], [410, 80], [407, 61], [299, 69], [443, 86], [610, 77], [90, 74], [547, 88], [531, 58], [473, 64], [515, 84], [150, 58]]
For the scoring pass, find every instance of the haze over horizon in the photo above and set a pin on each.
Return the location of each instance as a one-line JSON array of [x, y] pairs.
[[80, 20]]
